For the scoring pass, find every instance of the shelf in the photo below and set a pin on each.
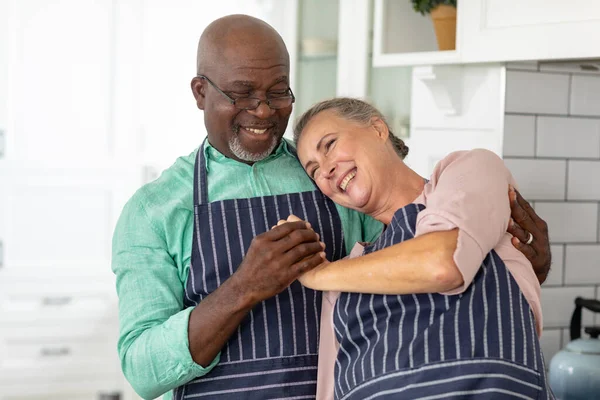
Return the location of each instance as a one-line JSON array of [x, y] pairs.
[[445, 84], [418, 58], [403, 37]]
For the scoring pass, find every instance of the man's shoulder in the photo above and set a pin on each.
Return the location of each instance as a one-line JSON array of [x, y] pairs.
[[163, 207]]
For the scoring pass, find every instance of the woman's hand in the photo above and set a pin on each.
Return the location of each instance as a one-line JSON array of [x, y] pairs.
[[530, 234], [307, 279], [291, 218]]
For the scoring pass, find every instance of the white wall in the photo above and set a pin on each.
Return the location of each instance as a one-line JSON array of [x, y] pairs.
[[552, 147]]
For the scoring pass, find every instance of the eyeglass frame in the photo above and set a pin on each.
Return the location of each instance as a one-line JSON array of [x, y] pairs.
[[232, 100]]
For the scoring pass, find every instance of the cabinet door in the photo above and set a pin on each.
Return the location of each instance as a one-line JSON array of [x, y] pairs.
[[60, 65], [60, 217], [507, 30]]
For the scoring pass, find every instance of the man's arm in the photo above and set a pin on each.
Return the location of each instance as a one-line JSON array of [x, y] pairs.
[[524, 220], [161, 345], [153, 341]]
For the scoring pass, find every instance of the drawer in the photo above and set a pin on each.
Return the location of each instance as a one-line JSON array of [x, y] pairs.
[[29, 353], [59, 373], [56, 299], [88, 390], [45, 305], [58, 362], [83, 329], [60, 396], [58, 280]]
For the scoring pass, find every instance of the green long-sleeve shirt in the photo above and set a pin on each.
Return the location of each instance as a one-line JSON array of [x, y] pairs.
[[151, 258]]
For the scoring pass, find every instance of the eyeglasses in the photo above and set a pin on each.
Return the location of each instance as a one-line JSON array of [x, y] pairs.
[[251, 103]]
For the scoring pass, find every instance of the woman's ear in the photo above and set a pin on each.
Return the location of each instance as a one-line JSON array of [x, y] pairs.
[[381, 127], [198, 89]]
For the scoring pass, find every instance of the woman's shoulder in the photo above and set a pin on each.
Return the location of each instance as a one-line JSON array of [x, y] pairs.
[[462, 163], [471, 157]]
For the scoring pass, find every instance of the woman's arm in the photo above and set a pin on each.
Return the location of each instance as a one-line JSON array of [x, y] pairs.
[[421, 265], [468, 191], [466, 216]]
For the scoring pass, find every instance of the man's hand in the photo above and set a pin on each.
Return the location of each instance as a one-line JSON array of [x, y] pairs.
[[274, 260], [278, 257], [524, 221]]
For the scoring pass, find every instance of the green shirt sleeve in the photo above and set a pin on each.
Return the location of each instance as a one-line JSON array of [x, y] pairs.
[[153, 341]]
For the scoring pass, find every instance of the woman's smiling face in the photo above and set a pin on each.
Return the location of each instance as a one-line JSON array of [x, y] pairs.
[[345, 158]]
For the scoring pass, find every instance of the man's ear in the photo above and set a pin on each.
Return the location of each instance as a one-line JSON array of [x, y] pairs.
[[381, 127], [198, 89]]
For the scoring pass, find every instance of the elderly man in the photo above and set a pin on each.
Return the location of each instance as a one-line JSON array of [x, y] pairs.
[[204, 283]]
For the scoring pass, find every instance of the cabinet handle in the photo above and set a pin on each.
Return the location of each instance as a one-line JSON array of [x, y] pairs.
[[109, 396], [56, 301], [2, 141], [55, 352]]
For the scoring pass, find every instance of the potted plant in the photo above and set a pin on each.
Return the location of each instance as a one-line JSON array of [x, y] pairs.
[[443, 14]]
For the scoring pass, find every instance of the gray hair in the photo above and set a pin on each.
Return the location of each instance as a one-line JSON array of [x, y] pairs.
[[352, 110]]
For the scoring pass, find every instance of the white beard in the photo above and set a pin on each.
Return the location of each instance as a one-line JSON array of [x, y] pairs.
[[240, 152]]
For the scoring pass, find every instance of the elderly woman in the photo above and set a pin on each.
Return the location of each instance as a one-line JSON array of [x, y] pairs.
[[441, 305]]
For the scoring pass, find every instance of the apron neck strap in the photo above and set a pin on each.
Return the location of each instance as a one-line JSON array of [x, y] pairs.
[[200, 182]]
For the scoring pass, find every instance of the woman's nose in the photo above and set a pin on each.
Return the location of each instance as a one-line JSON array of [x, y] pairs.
[[328, 170]]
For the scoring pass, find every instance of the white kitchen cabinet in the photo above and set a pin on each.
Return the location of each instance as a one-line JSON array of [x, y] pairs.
[[63, 180], [488, 31], [510, 30], [58, 307], [58, 333]]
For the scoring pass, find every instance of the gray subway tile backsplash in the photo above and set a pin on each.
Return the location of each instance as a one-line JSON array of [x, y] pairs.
[[558, 113]]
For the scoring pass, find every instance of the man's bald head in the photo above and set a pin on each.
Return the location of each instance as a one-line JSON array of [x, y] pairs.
[[238, 38]]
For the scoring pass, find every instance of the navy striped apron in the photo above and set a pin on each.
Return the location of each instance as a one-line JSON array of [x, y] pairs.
[[479, 344], [273, 354]]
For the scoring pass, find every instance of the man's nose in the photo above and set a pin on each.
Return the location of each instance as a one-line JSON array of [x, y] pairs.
[[263, 111]]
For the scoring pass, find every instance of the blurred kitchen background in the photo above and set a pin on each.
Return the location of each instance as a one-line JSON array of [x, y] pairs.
[[95, 101]]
